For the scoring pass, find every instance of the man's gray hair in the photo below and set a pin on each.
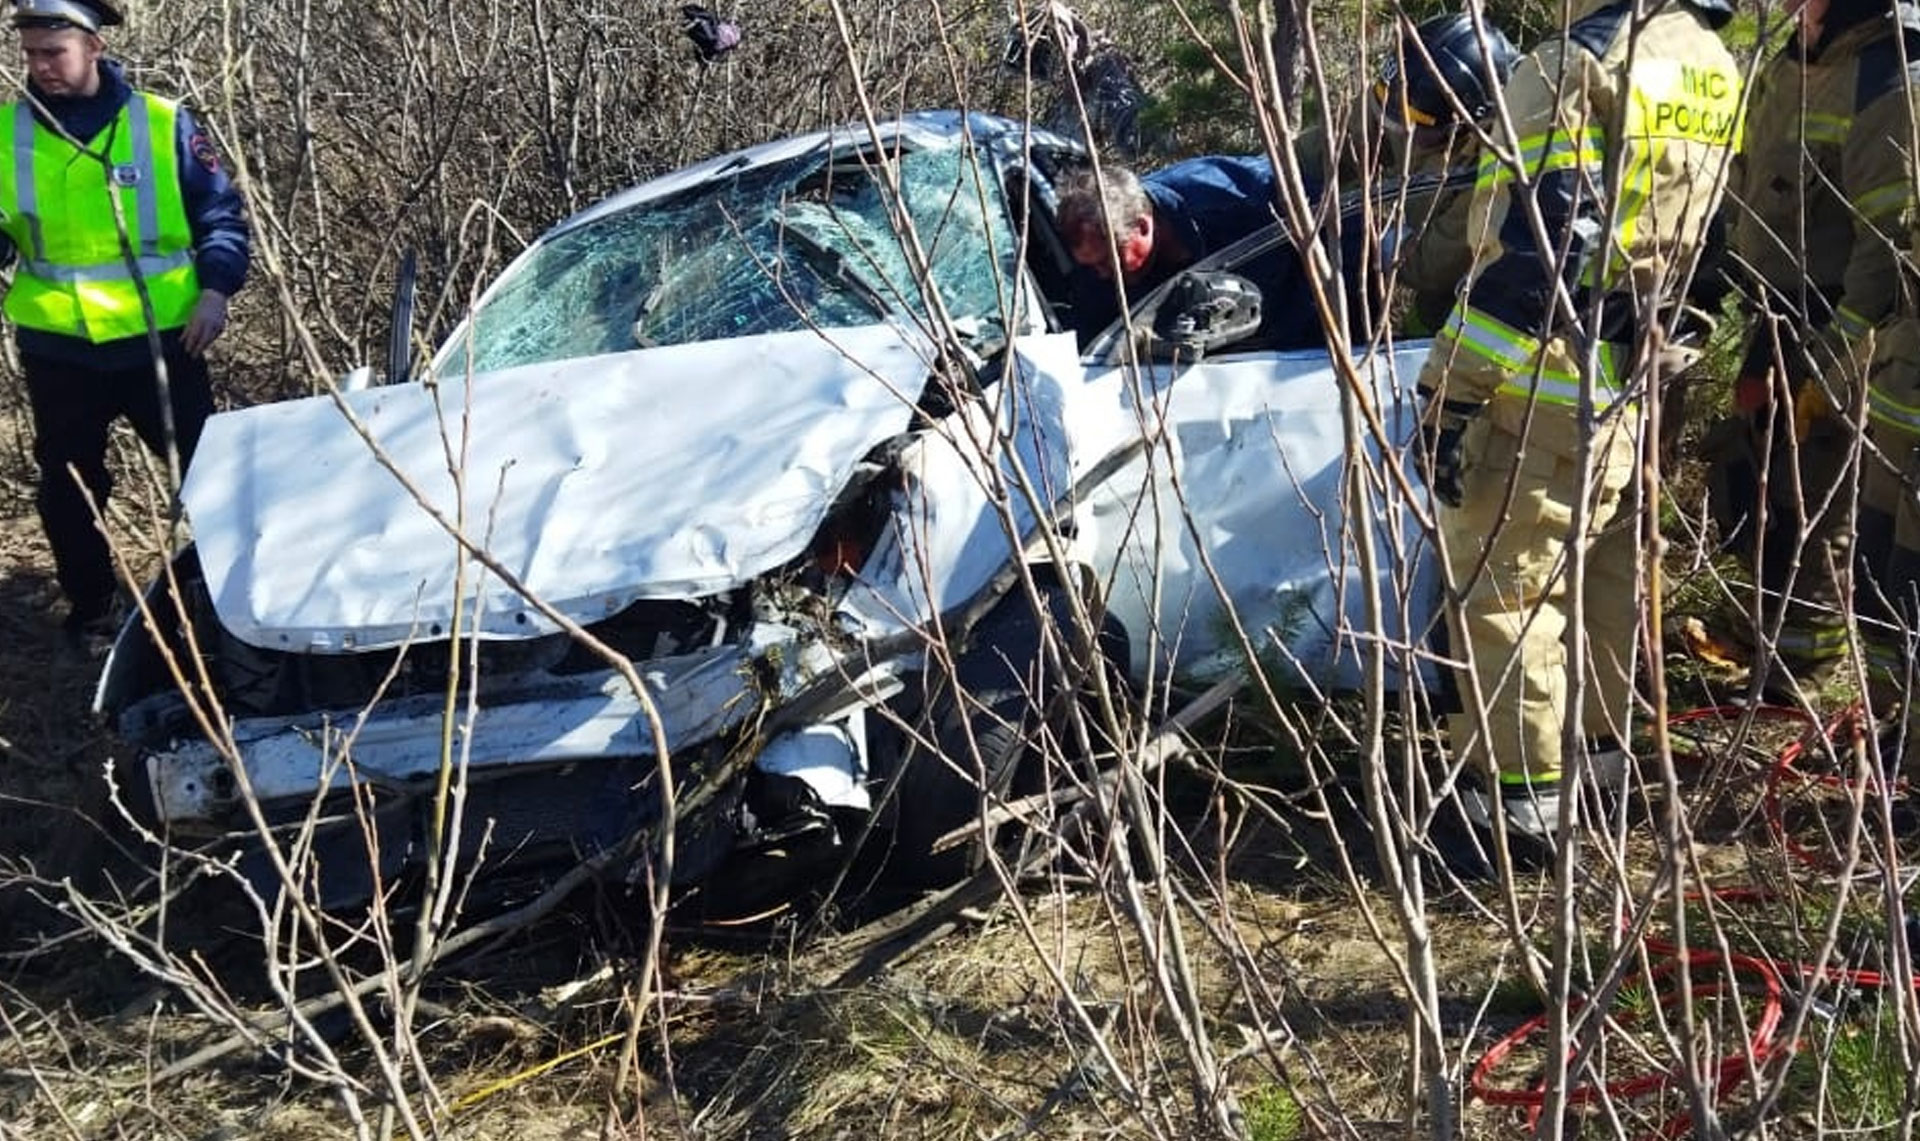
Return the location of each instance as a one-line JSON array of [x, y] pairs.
[[1107, 204]]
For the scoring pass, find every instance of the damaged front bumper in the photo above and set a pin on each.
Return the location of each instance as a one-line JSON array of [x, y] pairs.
[[541, 720]]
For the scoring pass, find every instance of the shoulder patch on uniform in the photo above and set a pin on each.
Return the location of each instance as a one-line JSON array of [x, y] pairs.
[[1597, 30], [203, 153]]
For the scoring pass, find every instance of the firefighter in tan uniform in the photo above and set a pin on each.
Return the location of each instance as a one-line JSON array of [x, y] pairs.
[[1585, 227], [1887, 553], [1818, 205]]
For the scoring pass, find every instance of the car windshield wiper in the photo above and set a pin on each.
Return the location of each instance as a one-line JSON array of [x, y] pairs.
[[834, 265]]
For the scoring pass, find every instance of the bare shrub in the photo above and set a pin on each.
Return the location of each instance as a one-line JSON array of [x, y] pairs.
[[1225, 911]]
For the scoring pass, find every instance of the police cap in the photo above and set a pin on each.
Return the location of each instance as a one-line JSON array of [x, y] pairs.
[[87, 15]]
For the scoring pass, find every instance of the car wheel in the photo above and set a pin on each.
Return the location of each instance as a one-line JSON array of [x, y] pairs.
[[983, 721], [979, 744]]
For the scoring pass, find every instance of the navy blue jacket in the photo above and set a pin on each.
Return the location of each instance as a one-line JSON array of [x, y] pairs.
[[215, 214], [1213, 201]]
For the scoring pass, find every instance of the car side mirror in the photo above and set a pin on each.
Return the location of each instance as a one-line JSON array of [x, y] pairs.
[[1205, 310]]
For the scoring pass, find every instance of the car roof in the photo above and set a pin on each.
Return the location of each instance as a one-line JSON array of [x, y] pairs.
[[995, 132]]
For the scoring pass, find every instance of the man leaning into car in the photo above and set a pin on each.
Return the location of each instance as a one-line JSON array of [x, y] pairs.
[[1444, 74], [90, 155], [1531, 416], [1153, 226]]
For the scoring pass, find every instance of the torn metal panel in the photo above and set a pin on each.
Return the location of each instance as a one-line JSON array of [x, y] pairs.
[[1260, 503], [976, 486], [830, 758], [1259, 447]]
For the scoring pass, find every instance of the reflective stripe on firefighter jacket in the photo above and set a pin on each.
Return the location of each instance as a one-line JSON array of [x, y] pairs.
[[73, 277], [1820, 202], [1625, 154]]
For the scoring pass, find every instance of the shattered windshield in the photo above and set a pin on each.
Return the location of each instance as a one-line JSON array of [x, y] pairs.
[[801, 244]]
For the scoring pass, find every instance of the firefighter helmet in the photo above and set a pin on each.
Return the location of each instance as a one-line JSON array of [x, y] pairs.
[[1445, 54]]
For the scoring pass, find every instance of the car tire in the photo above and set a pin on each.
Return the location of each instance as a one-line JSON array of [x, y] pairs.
[[976, 753], [981, 721]]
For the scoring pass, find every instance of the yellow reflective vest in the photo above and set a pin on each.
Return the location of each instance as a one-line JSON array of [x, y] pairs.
[[73, 275]]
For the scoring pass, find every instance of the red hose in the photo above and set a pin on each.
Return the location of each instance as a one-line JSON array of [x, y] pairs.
[[1727, 1071], [1784, 767], [1768, 970]]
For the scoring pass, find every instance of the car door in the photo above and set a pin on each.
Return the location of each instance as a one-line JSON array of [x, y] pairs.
[[1269, 462]]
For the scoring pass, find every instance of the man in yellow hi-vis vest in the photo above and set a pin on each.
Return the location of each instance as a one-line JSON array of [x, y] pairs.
[[1585, 224], [117, 216]]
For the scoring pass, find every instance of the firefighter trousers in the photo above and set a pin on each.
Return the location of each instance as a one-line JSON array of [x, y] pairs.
[[1803, 558], [1887, 566], [1508, 552]]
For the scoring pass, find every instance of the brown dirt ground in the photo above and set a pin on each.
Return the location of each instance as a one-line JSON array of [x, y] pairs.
[[47, 732], [49, 737]]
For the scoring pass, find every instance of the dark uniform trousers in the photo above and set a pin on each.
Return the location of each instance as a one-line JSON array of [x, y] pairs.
[[74, 406], [1801, 560]]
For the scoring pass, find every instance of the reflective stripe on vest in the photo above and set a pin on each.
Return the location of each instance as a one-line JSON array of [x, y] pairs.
[[1825, 127], [1555, 386], [74, 276], [1885, 201], [1886, 663], [1538, 154], [1490, 337], [1814, 642], [1851, 324]]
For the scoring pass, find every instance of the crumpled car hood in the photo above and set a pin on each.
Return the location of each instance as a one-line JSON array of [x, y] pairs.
[[663, 473]]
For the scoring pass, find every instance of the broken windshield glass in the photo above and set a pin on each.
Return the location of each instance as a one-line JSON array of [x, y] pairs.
[[809, 243]]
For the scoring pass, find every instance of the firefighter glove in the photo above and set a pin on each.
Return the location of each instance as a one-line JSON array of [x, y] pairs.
[[1440, 450], [1810, 407]]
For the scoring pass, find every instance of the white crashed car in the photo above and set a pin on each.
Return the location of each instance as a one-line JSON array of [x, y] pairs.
[[719, 423]]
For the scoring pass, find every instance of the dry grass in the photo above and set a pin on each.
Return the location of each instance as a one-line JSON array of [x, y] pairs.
[[1091, 1002]]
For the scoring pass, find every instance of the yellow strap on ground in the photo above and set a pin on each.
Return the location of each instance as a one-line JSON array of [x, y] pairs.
[[469, 1100]]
